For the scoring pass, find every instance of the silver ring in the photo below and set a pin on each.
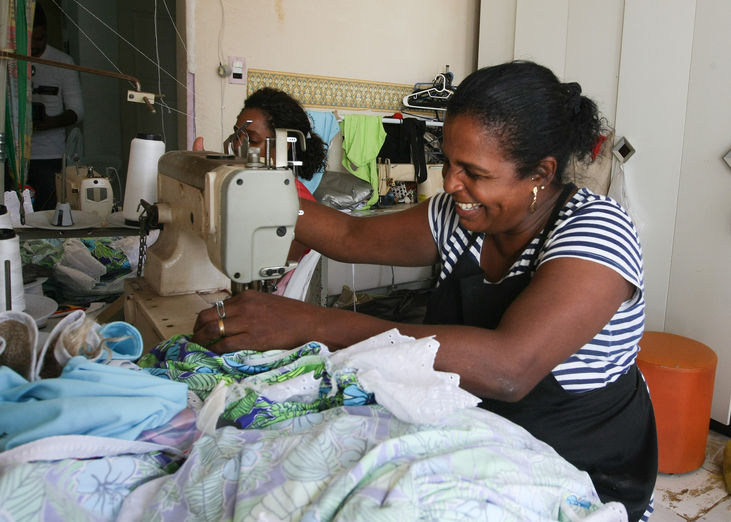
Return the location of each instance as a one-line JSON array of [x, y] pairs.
[[220, 310]]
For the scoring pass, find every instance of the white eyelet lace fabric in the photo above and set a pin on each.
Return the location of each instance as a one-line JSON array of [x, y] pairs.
[[399, 371]]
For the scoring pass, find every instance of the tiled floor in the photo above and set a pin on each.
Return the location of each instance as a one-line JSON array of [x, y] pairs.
[[699, 495]]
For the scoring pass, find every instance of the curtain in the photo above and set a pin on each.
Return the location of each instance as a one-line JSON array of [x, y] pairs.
[[18, 117]]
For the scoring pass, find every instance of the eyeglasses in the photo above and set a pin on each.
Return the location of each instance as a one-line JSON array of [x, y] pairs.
[[237, 141]]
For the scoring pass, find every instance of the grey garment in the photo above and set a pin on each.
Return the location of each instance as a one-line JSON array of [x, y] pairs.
[[342, 190]]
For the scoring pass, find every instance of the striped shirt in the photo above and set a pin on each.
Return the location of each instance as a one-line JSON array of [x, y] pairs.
[[591, 227]]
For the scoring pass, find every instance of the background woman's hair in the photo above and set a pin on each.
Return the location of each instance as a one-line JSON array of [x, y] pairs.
[[284, 112], [532, 113], [39, 16]]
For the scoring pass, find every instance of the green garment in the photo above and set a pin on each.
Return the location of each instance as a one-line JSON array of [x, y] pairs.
[[363, 137], [18, 124]]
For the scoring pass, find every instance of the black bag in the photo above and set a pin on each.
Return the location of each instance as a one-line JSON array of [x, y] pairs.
[[403, 306]]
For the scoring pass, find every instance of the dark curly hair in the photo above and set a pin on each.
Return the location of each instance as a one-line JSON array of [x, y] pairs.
[[532, 113], [39, 16], [284, 112]]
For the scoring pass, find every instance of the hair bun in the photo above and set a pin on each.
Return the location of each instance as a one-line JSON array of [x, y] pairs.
[[573, 93]]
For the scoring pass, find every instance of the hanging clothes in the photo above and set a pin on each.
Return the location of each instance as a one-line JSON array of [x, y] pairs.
[[405, 144], [414, 134], [325, 125], [18, 122], [363, 137]]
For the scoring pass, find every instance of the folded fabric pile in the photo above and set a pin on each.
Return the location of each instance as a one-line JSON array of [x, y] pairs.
[[61, 389], [85, 269]]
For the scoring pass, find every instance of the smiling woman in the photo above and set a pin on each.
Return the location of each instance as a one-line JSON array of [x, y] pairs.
[[540, 302]]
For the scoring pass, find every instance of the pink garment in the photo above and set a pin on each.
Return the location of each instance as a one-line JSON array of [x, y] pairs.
[[302, 191]]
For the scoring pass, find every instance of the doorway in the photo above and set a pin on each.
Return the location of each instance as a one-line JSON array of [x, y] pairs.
[[131, 37]]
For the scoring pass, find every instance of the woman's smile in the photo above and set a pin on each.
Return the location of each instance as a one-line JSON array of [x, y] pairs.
[[469, 210], [468, 206]]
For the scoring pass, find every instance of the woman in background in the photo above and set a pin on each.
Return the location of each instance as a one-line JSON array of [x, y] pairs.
[[268, 109], [540, 304]]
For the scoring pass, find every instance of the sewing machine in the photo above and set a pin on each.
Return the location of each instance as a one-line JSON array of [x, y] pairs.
[[225, 220], [85, 189]]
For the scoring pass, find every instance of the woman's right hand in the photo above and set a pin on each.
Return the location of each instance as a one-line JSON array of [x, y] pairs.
[[256, 321]]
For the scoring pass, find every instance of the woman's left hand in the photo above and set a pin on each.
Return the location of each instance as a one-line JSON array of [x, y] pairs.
[[255, 321]]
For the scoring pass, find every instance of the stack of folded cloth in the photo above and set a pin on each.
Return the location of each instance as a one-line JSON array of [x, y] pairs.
[[77, 382]]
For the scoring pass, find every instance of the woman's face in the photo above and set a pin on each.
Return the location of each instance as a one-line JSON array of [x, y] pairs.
[[490, 196], [258, 129]]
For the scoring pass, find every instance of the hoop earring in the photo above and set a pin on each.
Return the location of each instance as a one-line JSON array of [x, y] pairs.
[[535, 198]]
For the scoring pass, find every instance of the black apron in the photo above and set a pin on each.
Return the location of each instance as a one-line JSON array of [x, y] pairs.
[[609, 432]]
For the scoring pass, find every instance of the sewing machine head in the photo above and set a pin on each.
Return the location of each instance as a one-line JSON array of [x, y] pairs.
[[225, 219]]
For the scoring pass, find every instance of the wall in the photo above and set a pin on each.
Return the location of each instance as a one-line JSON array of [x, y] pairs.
[[583, 41], [557, 35], [652, 101], [401, 42], [568, 36], [380, 40], [699, 305]]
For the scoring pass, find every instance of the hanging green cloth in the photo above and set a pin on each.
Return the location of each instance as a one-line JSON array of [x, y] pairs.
[[18, 117], [363, 137]]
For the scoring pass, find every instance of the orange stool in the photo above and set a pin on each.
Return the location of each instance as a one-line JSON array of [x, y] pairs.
[[680, 374]]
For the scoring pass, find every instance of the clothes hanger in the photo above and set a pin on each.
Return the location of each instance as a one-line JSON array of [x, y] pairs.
[[434, 97]]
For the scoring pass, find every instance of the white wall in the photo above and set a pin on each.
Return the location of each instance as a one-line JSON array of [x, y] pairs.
[[699, 296], [651, 114], [555, 33], [403, 42], [622, 58]]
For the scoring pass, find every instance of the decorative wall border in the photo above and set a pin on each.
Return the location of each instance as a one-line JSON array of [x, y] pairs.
[[333, 93]]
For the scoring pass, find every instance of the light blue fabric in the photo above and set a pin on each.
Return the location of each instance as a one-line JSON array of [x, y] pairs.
[[87, 399], [129, 346], [325, 125]]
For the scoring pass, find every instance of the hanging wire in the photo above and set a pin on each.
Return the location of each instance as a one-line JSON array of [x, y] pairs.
[[159, 83], [170, 16], [68, 17], [158, 100], [220, 33], [116, 34], [220, 62]]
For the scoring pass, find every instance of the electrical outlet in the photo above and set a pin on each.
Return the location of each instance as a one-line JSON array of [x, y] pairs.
[[238, 69]]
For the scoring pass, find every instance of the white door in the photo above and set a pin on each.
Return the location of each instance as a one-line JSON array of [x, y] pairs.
[[699, 305]]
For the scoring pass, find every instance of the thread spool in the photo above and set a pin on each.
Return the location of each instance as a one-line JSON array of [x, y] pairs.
[[144, 154], [12, 294]]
